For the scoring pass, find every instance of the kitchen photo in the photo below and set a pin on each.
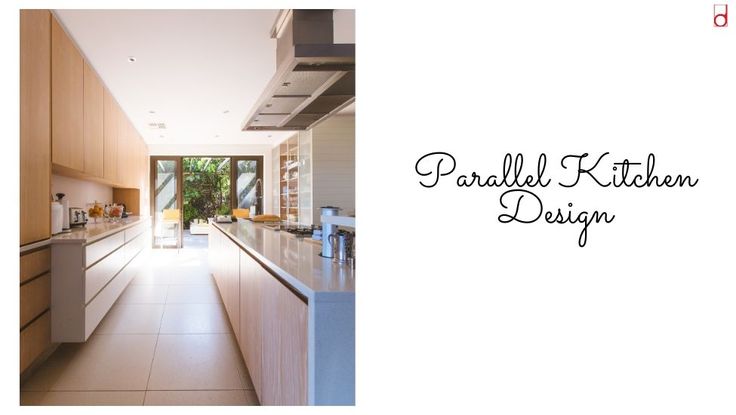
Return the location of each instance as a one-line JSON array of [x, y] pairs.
[[187, 207]]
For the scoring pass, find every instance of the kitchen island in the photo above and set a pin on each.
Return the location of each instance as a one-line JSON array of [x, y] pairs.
[[292, 311]]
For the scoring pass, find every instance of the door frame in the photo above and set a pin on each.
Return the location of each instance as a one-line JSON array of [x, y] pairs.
[[180, 184], [179, 196]]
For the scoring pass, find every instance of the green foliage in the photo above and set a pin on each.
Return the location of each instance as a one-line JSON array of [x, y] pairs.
[[206, 188]]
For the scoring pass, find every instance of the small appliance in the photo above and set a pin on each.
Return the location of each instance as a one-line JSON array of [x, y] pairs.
[[77, 216]]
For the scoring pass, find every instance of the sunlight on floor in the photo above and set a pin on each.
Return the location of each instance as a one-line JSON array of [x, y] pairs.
[[166, 341]]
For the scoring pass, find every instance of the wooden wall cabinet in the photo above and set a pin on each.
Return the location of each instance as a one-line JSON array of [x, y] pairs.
[[35, 125], [91, 138], [67, 101], [93, 123], [110, 137]]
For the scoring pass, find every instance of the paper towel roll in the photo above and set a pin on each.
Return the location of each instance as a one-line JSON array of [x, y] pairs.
[[57, 218]]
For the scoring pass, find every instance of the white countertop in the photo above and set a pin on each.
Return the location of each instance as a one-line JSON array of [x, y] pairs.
[[295, 260], [95, 231]]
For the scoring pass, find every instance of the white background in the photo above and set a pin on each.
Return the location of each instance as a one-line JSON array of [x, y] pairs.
[[457, 312]]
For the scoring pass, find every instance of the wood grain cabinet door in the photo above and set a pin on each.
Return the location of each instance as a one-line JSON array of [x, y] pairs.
[[250, 318], [93, 119], [67, 101], [233, 287], [293, 348], [35, 125], [284, 347], [110, 132]]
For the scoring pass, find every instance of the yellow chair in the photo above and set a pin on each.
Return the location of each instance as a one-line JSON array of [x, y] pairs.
[[171, 214], [169, 222], [241, 213]]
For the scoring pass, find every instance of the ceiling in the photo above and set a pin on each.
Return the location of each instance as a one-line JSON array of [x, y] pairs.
[[199, 71]]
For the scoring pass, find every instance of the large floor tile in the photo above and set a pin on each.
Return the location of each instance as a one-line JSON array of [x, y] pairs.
[[198, 276], [49, 372], [195, 362], [132, 319], [144, 294], [193, 294], [82, 398], [105, 362], [222, 397], [194, 318], [150, 276]]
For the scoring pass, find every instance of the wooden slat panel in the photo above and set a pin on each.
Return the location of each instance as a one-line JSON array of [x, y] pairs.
[[35, 298], [35, 125], [34, 340], [35, 264]]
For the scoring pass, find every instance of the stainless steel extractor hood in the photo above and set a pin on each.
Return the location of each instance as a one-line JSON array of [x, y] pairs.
[[315, 78]]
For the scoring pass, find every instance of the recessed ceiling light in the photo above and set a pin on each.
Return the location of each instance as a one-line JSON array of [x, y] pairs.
[[217, 136], [226, 111], [131, 59], [269, 136], [160, 136], [151, 112]]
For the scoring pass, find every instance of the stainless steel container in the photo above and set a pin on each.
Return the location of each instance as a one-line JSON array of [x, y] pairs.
[[327, 230], [342, 246]]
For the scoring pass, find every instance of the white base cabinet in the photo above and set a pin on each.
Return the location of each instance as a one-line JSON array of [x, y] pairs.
[[87, 278]]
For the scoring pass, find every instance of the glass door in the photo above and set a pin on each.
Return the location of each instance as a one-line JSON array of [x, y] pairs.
[[248, 171], [167, 206]]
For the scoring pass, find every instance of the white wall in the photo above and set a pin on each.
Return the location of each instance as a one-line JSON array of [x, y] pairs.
[[224, 150], [80, 192], [333, 165]]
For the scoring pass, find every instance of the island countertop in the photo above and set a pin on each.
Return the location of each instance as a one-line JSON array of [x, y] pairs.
[[294, 260], [96, 231]]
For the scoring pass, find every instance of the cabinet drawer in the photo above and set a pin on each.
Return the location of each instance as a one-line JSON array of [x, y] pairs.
[[97, 250], [34, 340], [35, 298], [35, 264], [98, 275], [97, 308], [133, 247], [134, 231]]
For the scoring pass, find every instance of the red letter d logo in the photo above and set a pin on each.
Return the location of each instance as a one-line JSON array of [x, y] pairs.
[[720, 15]]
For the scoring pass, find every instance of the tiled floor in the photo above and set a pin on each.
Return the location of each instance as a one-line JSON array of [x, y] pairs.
[[166, 341]]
